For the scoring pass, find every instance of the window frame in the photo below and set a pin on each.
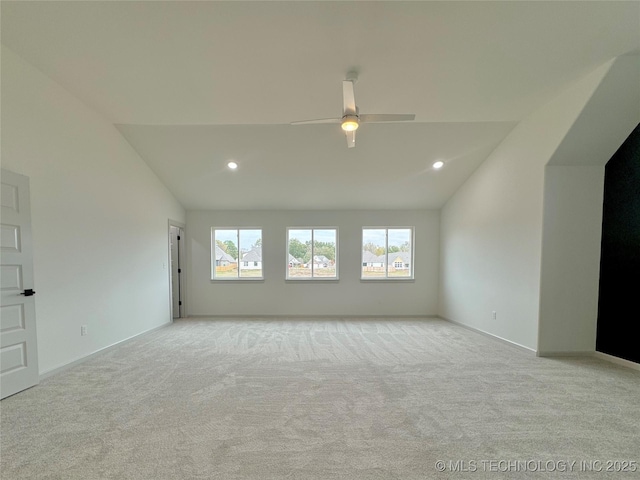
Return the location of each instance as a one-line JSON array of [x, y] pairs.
[[312, 278], [386, 276], [215, 278]]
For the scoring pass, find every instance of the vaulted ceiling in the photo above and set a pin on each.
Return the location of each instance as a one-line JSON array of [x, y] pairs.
[[192, 85]]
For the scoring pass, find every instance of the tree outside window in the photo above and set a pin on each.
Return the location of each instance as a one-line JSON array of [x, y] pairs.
[[312, 253]]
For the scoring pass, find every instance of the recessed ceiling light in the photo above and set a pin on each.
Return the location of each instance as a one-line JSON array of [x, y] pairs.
[[438, 165], [232, 165]]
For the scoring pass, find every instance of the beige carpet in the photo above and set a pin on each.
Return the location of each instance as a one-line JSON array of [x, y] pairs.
[[323, 399]]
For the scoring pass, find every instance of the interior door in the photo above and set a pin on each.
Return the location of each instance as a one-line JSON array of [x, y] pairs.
[[18, 349], [175, 237]]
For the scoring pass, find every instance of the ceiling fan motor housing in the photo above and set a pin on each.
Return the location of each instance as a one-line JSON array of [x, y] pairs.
[[350, 123]]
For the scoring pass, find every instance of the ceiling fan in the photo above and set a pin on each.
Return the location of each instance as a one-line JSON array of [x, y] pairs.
[[351, 116]]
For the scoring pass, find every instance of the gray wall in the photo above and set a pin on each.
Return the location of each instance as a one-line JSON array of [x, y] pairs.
[[570, 259], [573, 211], [348, 296], [492, 227], [521, 236], [99, 219]]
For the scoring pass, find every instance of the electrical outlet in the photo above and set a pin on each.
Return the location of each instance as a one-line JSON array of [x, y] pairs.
[[494, 315], [83, 330]]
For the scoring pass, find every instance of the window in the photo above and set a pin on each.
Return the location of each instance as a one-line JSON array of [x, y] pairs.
[[236, 253], [312, 253], [387, 253]]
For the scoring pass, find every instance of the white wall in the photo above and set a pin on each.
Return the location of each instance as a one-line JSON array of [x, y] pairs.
[[348, 296], [570, 259], [491, 229], [99, 218], [573, 202]]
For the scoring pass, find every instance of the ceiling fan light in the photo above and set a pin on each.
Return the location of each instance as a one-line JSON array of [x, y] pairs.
[[350, 123]]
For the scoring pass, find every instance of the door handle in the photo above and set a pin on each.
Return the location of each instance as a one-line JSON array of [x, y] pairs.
[[28, 292]]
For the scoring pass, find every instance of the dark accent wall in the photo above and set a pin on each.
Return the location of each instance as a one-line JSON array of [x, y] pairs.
[[619, 299]]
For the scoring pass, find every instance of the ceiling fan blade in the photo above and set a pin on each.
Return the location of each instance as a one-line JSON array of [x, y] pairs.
[[351, 139], [348, 98], [320, 120], [383, 117]]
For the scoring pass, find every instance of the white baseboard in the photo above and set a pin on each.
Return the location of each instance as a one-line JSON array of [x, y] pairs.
[[307, 316], [617, 360], [591, 353], [551, 353], [477, 330], [78, 361]]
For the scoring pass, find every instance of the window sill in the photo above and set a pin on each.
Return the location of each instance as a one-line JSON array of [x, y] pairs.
[[232, 280], [317, 279], [390, 280]]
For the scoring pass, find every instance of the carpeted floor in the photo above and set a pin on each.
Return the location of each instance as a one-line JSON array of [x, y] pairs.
[[324, 399]]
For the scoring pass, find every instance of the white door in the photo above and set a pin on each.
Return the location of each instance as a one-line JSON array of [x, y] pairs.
[[18, 349]]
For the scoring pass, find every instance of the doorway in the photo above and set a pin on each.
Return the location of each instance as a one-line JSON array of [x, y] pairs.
[[176, 270], [619, 259]]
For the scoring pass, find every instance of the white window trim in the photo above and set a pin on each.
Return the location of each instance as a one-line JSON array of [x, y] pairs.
[[212, 256], [312, 278], [387, 278]]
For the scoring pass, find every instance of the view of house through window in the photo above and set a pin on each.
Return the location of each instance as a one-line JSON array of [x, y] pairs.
[[387, 253], [312, 253], [236, 253]]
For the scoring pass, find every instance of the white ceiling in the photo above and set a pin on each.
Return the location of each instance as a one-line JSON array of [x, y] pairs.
[[192, 85]]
